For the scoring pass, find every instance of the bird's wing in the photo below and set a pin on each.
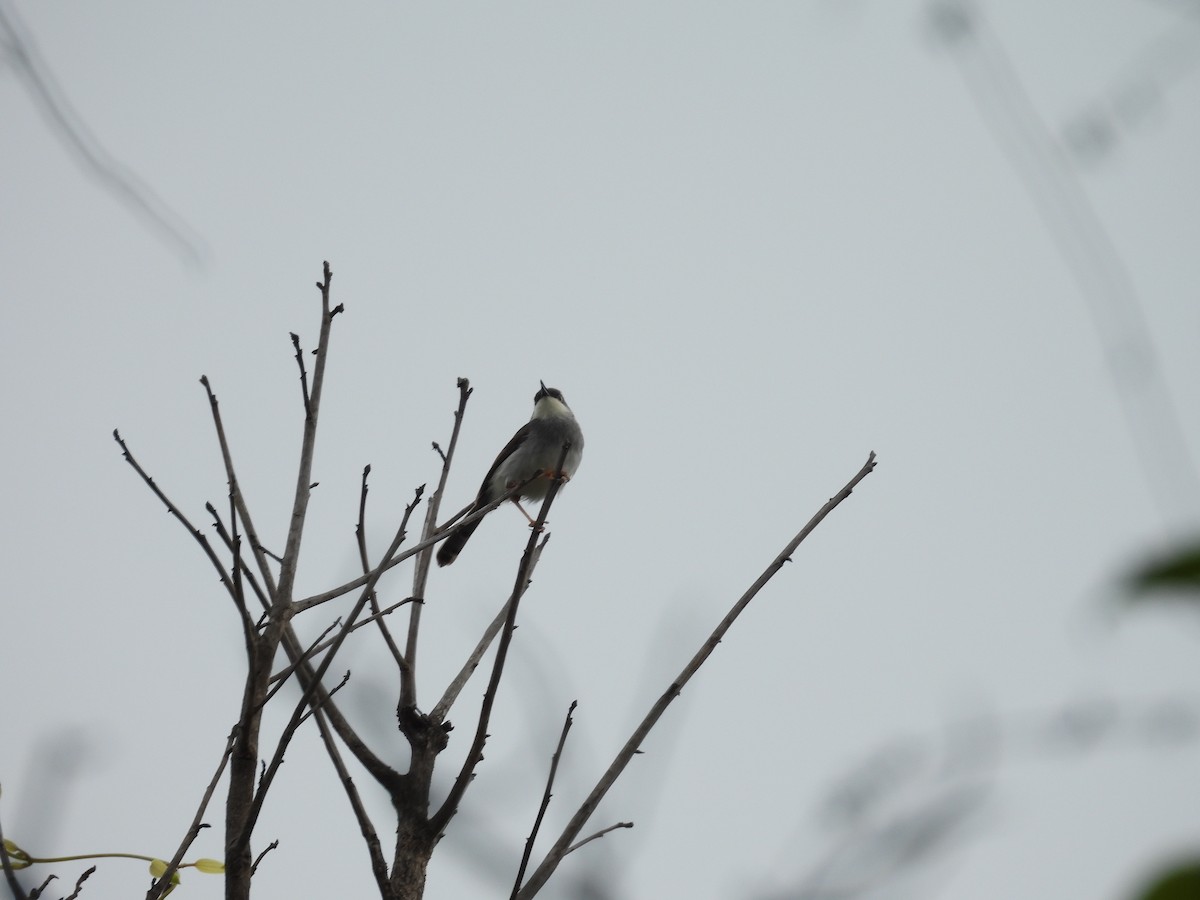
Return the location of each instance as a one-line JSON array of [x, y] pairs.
[[510, 448]]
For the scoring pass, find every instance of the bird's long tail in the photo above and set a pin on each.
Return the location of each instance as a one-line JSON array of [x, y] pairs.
[[452, 546]]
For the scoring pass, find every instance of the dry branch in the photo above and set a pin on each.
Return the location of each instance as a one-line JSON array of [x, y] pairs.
[[563, 845]]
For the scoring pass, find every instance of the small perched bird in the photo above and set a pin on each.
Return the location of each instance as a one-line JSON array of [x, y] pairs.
[[537, 445]]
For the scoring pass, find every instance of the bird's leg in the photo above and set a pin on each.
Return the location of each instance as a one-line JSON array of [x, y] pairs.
[[532, 521]]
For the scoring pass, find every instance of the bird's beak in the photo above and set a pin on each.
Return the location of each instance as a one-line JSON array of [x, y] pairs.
[[543, 384]]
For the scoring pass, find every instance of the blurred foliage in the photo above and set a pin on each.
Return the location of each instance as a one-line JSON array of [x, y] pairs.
[[1181, 882], [1176, 571]]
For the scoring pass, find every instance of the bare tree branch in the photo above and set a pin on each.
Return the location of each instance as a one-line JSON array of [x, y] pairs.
[[599, 834], [291, 553], [564, 843], [366, 827], [219, 526], [243, 804], [546, 795], [163, 882], [440, 535], [408, 676], [475, 754], [274, 845], [175, 511], [442, 709], [303, 373], [361, 533], [239, 500], [87, 873]]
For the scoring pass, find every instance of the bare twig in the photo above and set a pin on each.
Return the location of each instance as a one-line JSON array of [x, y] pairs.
[[87, 873], [247, 573], [475, 754], [326, 697], [244, 804], [175, 511], [442, 708], [626, 753], [440, 535], [291, 553], [239, 501], [267, 849], [314, 695], [408, 679], [370, 837], [280, 678], [303, 373], [158, 888], [361, 533], [599, 834], [326, 644], [546, 795]]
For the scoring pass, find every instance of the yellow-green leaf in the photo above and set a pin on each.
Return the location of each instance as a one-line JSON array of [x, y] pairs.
[[211, 866]]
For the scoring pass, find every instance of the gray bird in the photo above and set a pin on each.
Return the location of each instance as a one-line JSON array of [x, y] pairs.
[[536, 445]]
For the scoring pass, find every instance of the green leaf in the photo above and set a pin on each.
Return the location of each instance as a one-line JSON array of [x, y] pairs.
[[1178, 570], [1181, 883]]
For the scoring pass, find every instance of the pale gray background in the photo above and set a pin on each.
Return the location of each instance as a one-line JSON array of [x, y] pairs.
[[751, 242]]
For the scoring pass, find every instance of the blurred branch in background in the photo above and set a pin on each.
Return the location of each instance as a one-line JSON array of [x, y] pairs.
[[903, 812], [1135, 95], [19, 49], [1104, 281]]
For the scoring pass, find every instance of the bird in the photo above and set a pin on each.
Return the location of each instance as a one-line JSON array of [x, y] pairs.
[[535, 447]]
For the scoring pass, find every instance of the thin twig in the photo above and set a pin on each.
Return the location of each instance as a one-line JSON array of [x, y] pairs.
[[599, 834], [41, 888], [175, 511], [303, 373], [164, 881], [439, 712], [564, 843], [291, 553], [449, 807], [440, 535], [236, 569], [546, 795], [247, 573], [314, 695], [325, 698], [280, 678], [455, 687], [244, 803], [361, 533], [240, 501], [267, 849], [87, 873], [408, 679], [326, 644], [378, 866]]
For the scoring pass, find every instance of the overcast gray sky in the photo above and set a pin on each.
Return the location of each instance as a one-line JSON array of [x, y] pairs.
[[751, 243]]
